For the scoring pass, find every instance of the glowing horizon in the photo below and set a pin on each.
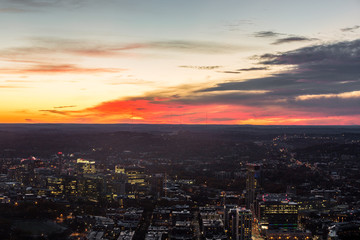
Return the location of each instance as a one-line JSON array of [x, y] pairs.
[[204, 62]]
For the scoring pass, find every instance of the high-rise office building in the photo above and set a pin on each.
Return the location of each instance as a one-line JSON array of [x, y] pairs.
[[90, 187], [157, 185], [85, 166], [136, 184], [135, 175], [276, 211], [227, 212], [240, 221], [253, 183], [55, 185]]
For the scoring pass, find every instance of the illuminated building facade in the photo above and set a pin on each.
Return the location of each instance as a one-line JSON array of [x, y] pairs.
[[288, 235], [85, 166], [275, 211], [253, 183], [119, 169], [62, 186], [55, 185], [135, 175], [136, 184], [240, 222], [90, 187], [70, 186], [114, 185]]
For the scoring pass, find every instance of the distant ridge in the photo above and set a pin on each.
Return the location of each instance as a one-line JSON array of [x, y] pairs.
[[76, 127]]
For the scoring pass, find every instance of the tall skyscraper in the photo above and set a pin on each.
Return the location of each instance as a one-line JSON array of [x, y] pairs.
[[157, 185], [240, 221], [253, 183]]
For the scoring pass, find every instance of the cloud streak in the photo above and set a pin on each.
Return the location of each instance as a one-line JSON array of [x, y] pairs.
[[12, 10], [11, 86], [350, 29], [288, 39], [54, 46], [55, 111], [230, 72], [237, 25], [43, 3], [266, 34], [252, 69], [59, 49], [58, 69], [292, 39], [69, 106], [203, 47], [200, 67], [344, 95]]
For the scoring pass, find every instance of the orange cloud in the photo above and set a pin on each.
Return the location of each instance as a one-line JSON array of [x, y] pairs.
[[101, 51], [58, 69], [54, 111], [163, 111], [153, 110], [166, 111]]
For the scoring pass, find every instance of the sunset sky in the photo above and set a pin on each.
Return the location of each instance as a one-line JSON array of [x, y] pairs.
[[180, 62]]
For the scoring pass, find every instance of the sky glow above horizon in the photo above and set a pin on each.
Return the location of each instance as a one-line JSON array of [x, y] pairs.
[[180, 62]]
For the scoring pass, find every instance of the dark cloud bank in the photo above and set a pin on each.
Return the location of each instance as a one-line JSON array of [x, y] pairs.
[[316, 70]]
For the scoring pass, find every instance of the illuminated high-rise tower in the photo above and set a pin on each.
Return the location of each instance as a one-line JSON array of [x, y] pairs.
[[253, 183], [240, 221]]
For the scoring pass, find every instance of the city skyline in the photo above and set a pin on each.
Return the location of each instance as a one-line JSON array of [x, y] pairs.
[[180, 62]]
